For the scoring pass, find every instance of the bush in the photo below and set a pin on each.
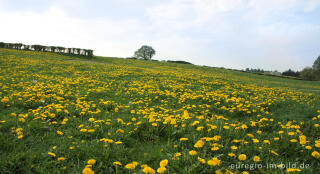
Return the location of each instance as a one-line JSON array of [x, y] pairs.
[[179, 61], [291, 73], [132, 58], [308, 74]]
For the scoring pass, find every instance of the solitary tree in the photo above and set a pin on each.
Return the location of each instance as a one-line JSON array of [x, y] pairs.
[[145, 52]]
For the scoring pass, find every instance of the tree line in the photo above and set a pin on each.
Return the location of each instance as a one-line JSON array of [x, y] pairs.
[[292, 73], [308, 73], [255, 70], [53, 49], [262, 71]]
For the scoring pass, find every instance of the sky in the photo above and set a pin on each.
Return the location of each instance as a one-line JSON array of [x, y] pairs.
[[267, 34]]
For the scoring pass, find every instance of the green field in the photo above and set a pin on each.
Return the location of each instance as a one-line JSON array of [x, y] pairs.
[[69, 114]]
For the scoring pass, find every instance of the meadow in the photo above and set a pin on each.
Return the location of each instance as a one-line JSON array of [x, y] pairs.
[[68, 114]]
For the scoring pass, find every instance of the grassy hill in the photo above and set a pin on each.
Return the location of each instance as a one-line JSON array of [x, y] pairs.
[[67, 114]]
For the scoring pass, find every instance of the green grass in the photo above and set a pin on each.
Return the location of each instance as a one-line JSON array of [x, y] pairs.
[[43, 93]]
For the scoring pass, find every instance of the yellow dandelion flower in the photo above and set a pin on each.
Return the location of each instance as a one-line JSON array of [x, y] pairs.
[[161, 169], [61, 159], [201, 160], [242, 157], [291, 133], [148, 170], [132, 165], [184, 139], [234, 147], [164, 163], [293, 170], [52, 154], [255, 140], [231, 154], [192, 152], [90, 130], [83, 130], [256, 158], [91, 161], [199, 144], [293, 140], [308, 147], [316, 154], [118, 142], [117, 163], [266, 141], [179, 154], [214, 162], [59, 132], [87, 171]]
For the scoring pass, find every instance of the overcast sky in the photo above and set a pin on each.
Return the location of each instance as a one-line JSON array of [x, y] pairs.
[[268, 34]]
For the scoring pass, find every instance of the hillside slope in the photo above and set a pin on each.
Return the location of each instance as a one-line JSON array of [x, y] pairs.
[[57, 112]]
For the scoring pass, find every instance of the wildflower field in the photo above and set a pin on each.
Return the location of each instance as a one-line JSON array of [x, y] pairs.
[[67, 114]]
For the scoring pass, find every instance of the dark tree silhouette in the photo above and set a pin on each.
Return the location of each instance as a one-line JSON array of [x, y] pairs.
[[291, 73], [54, 49], [316, 64], [2, 44], [145, 52]]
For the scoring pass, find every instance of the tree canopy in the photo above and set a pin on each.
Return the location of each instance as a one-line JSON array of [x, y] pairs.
[[145, 52], [291, 73], [54, 49], [308, 74], [316, 64]]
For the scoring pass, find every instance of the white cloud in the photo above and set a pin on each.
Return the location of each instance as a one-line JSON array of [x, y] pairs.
[[55, 27], [201, 11], [230, 33], [189, 12], [253, 30], [207, 9]]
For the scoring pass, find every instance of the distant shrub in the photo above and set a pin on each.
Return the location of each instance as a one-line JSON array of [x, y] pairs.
[[313, 73], [291, 73], [282, 76], [132, 58], [308, 74], [179, 61]]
